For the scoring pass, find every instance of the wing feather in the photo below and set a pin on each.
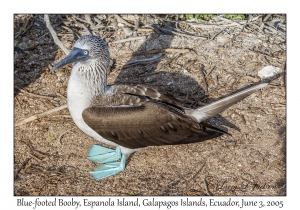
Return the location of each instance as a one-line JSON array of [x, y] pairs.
[[148, 124]]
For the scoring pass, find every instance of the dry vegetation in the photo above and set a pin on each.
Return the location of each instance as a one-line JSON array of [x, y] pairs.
[[199, 60]]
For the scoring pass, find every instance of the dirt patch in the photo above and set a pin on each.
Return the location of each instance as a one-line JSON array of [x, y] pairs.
[[200, 61]]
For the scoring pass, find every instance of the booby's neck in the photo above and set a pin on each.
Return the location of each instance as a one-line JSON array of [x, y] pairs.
[[91, 77], [87, 82], [85, 85]]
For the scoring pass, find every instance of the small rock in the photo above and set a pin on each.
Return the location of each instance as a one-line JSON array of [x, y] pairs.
[[32, 46], [127, 31], [120, 24], [59, 74], [268, 71], [114, 23]]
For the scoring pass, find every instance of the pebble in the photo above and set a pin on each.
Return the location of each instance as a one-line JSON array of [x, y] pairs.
[[268, 71], [127, 32]]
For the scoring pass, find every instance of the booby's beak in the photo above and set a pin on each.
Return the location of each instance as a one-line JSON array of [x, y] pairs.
[[76, 55]]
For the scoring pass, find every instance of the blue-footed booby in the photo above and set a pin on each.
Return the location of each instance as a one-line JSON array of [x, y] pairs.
[[130, 117]]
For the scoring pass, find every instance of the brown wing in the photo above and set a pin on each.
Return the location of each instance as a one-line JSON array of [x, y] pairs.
[[151, 123], [121, 95]]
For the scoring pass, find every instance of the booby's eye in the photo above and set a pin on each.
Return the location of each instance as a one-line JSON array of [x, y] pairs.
[[85, 52]]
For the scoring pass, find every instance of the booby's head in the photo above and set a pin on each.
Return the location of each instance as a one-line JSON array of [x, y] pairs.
[[87, 49]]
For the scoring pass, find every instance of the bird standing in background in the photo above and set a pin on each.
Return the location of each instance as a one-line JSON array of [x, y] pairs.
[[130, 117]]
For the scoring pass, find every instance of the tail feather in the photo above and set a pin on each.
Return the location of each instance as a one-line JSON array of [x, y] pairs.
[[210, 110]]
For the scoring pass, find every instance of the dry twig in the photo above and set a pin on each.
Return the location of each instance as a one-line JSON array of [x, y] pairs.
[[204, 78], [171, 60], [36, 116], [143, 52], [16, 176], [77, 18], [217, 34], [124, 21], [61, 135], [208, 73], [143, 61], [35, 95], [166, 31], [267, 17], [129, 39], [83, 26], [54, 35], [88, 21], [216, 26], [206, 187]]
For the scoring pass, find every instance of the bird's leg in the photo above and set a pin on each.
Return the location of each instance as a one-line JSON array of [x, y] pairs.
[[101, 154], [109, 169]]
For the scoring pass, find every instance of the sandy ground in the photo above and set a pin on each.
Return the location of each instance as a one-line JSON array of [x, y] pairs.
[[50, 153]]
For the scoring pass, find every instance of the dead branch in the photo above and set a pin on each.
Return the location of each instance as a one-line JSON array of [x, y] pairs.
[[251, 19], [188, 64], [87, 20], [124, 21], [129, 39], [16, 176], [210, 26], [171, 60], [204, 78], [266, 18], [61, 135], [141, 30], [273, 29], [217, 34], [54, 35], [83, 26], [77, 18], [206, 187], [34, 117], [166, 31], [143, 52], [208, 73], [234, 36], [35, 95], [74, 33], [231, 23], [61, 95], [136, 22], [99, 27], [143, 61]]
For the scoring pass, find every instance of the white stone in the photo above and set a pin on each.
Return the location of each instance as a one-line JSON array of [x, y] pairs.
[[268, 71], [127, 31]]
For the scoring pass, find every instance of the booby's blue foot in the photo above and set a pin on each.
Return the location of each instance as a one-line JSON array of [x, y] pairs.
[[101, 154], [109, 169]]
